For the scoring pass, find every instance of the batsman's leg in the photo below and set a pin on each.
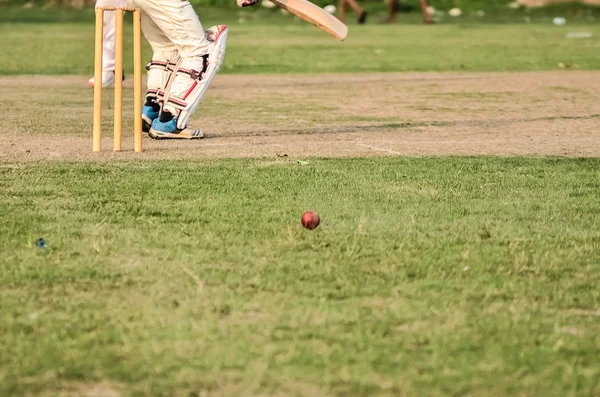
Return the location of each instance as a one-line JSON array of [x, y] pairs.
[[161, 70], [201, 54], [108, 43], [190, 83], [172, 27]]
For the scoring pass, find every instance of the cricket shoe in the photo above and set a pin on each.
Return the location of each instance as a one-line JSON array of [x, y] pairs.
[[362, 18], [165, 127], [150, 112], [108, 79]]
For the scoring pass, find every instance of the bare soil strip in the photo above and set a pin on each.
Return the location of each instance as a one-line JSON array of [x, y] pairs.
[[412, 114]]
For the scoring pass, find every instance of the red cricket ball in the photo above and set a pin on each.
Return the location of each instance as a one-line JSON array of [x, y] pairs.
[[310, 220]]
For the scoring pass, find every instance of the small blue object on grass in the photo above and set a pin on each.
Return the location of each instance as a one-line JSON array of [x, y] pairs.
[[41, 243]]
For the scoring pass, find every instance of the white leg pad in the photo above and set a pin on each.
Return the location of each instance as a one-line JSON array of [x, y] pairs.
[[161, 73], [193, 76]]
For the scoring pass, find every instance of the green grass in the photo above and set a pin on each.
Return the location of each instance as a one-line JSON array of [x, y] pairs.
[[428, 276], [285, 45]]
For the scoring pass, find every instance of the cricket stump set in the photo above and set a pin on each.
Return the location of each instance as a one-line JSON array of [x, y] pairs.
[[137, 79]]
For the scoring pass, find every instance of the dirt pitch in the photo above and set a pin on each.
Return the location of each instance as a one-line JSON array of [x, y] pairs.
[[414, 114]]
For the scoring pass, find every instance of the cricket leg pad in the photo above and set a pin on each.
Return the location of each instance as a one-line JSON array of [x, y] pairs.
[[193, 77], [161, 73]]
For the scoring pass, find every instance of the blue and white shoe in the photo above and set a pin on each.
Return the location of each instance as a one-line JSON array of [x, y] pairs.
[[168, 130], [149, 114]]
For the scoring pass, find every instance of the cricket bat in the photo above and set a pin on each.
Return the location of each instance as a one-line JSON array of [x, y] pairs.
[[314, 14]]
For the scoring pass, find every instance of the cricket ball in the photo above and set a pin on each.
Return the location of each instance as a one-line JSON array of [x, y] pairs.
[[310, 220]]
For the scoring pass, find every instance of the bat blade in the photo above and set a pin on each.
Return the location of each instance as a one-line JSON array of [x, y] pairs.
[[315, 15]]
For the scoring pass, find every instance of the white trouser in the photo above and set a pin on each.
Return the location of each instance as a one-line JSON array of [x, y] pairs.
[[109, 32], [172, 27]]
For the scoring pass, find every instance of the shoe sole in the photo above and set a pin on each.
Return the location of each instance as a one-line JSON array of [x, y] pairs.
[[169, 135]]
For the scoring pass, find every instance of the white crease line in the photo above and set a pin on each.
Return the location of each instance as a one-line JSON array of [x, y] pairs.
[[378, 148]]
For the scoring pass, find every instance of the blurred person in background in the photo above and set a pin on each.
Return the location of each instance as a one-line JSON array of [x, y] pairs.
[[108, 53], [393, 8], [362, 14]]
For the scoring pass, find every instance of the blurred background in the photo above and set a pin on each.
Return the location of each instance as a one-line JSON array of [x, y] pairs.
[[470, 10], [55, 37]]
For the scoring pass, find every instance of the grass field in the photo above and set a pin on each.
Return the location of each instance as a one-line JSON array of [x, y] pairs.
[[295, 47], [438, 276], [185, 272]]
